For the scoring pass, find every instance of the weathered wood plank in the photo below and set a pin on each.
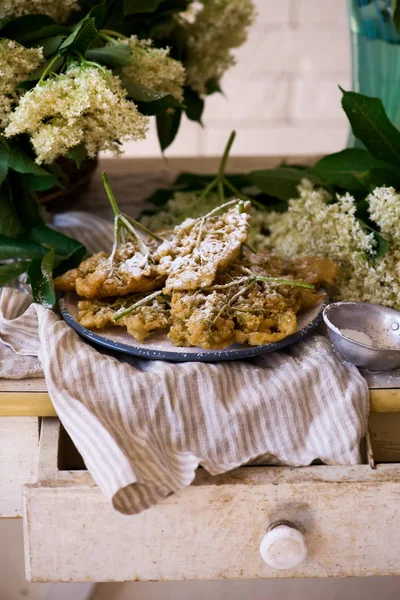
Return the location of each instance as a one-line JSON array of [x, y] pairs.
[[29, 404], [385, 401], [18, 461], [35, 384], [213, 529], [211, 532]]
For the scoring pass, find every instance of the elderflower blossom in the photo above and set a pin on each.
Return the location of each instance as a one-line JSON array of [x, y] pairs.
[[314, 226], [384, 208], [154, 68], [16, 62], [218, 26], [85, 106], [59, 10]]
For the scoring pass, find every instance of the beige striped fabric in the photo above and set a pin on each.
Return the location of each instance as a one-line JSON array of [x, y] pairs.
[[143, 427]]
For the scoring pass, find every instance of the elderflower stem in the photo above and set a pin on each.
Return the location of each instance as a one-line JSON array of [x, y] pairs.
[[247, 245], [285, 282], [132, 231], [112, 33], [232, 300], [241, 195], [224, 286], [221, 191], [127, 311], [144, 229], [218, 208], [49, 68], [110, 194], [95, 64], [116, 240], [225, 155], [108, 38], [254, 278], [220, 175], [208, 189]]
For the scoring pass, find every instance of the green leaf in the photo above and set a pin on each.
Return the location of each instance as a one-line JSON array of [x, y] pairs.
[[33, 36], [3, 172], [98, 12], [140, 6], [19, 248], [348, 169], [39, 183], [27, 207], [371, 125], [213, 87], [160, 197], [83, 36], [22, 163], [71, 262], [382, 177], [10, 271], [4, 21], [10, 224], [150, 102], [396, 14], [62, 244], [194, 104], [40, 278], [50, 45], [78, 154], [168, 126], [383, 245], [113, 56], [17, 29], [281, 182]]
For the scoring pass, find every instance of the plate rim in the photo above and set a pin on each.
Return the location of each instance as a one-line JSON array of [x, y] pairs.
[[208, 356]]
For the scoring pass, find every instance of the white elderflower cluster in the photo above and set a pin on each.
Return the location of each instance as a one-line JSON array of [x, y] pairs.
[[16, 62], [154, 68], [319, 226], [384, 208], [85, 106], [218, 26], [59, 10], [315, 226]]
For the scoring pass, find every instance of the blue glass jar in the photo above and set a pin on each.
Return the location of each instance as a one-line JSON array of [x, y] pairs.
[[375, 46]]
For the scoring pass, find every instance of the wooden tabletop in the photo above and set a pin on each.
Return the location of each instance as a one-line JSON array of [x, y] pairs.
[[29, 398]]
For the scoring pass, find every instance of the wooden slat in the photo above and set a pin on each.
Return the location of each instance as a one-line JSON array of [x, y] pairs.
[[38, 404], [28, 404], [385, 401]]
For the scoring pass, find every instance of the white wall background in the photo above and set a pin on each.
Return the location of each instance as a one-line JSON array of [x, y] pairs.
[[282, 97]]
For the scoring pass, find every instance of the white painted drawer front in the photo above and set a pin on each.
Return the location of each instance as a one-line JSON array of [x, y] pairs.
[[19, 444], [350, 518]]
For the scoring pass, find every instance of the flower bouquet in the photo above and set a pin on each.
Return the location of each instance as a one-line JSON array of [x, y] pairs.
[[81, 76]]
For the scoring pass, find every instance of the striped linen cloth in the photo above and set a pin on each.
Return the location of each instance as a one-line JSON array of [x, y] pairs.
[[143, 427]]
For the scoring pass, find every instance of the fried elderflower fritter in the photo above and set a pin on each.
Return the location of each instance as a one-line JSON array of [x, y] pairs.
[[192, 321], [243, 313], [140, 323], [129, 270], [313, 269], [201, 247], [252, 301]]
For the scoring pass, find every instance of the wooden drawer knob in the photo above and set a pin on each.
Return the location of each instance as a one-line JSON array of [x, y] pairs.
[[283, 546]]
